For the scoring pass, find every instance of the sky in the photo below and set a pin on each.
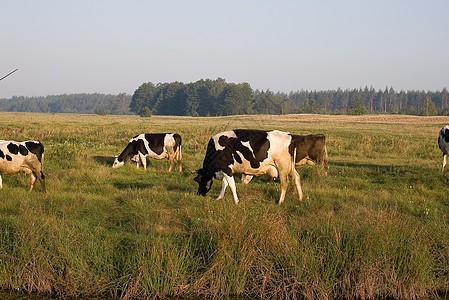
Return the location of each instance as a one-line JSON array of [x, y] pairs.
[[112, 47]]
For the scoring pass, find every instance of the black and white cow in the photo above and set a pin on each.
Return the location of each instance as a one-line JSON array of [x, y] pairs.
[[26, 157], [443, 143], [252, 152], [154, 145], [307, 149]]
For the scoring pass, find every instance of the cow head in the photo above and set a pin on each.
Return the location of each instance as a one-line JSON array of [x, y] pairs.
[[204, 182], [117, 163]]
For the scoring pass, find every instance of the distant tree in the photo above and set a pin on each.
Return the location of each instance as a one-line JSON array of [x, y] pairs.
[[192, 104], [143, 97], [428, 108], [171, 100], [236, 99], [120, 106], [444, 99], [305, 107], [357, 107], [269, 103], [101, 111], [311, 106], [146, 112]]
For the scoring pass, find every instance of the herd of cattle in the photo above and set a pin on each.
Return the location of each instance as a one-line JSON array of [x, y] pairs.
[[244, 151]]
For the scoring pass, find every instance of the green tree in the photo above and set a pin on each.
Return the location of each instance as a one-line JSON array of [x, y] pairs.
[[172, 100], [268, 103], [444, 98], [143, 97], [192, 103], [146, 112], [357, 107], [236, 99], [428, 108]]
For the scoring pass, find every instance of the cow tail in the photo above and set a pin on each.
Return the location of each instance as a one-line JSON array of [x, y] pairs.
[[178, 143], [292, 172], [179, 154], [42, 167], [326, 158]]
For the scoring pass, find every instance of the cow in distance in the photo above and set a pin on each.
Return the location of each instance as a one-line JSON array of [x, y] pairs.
[[154, 145], [443, 143]]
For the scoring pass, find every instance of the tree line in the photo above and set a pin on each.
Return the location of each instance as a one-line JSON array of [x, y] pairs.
[[217, 97], [70, 103]]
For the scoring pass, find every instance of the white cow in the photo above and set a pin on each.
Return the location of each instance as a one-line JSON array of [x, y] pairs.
[[26, 157], [154, 145], [252, 152]]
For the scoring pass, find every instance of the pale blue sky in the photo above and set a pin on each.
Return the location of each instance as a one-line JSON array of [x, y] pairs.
[[109, 46]]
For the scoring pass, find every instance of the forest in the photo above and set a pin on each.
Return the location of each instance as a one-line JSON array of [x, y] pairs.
[[217, 97], [96, 103]]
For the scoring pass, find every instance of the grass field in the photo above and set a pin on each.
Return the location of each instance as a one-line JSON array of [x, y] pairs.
[[376, 227]]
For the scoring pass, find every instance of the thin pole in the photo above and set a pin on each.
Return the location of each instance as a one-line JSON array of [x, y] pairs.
[[8, 74]]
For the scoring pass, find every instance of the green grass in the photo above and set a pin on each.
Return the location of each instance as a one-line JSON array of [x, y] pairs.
[[376, 227]]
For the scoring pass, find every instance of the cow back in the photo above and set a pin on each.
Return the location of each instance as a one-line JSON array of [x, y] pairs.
[[156, 142]]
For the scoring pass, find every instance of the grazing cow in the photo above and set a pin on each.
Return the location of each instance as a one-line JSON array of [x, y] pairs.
[[443, 143], [26, 157], [154, 145], [253, 152], [310, 149]]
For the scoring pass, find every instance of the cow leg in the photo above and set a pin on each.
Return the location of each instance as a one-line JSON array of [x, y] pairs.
[[231, 182], [444, 161], [310, 162], [224, 185], [1, 182], [180, 163], [172, 162], [297, 183], [143, 160], [36, 171], [32, 180], [246, 178], [283, 177], [325, 161], [41, 178], [136, 159], [302, 162], [178, 156]]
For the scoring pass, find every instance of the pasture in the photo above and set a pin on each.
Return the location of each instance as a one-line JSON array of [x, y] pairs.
[[376, 227]]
